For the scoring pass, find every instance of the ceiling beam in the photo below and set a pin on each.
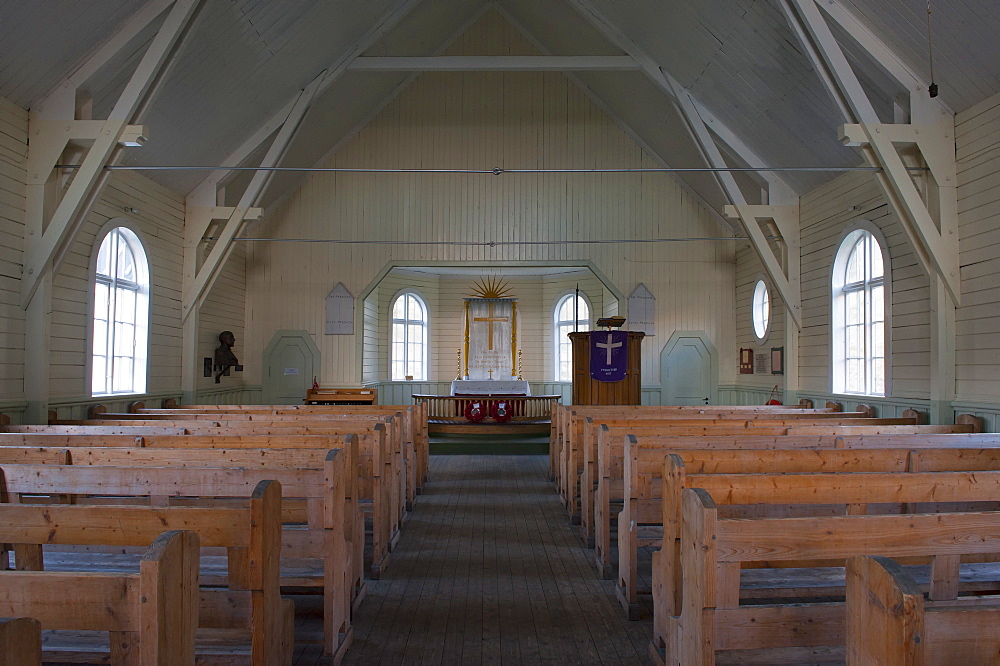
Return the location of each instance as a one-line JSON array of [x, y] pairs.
[[625, 127], [935, 241], [921, 104], [76, 202], [785, 278], [659, 78], [204, 192], [223, 247], [470, 63], [64, 93]]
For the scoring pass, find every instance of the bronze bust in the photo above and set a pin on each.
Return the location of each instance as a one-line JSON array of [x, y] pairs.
[[224, 356]]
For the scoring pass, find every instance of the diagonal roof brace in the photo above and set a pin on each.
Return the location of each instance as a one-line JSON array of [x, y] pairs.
[[932, 234], [206, 189], [786, 279], [207, 274], [665, 82], [87, 182]]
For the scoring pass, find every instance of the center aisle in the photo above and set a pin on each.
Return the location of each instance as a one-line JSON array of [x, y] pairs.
[[489, 571]]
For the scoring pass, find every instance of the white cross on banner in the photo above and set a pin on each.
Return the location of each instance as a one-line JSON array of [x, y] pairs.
[[608, 355]]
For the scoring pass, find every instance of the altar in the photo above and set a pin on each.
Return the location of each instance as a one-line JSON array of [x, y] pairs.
[[489, 387]]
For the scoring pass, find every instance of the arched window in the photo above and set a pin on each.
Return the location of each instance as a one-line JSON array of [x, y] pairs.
[[859, 328], [121, 315], [568, 318], [408, 354], [761, 310]]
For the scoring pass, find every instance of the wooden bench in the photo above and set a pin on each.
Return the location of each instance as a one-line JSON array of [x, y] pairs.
[[562, 414], [362, 490], [417, 412], [611, 447], [608, 465], [411, 420], [393, 477], [580, 456], [151, 615], [379, 458], [314, 549], [251, 534], [890, 624], [792, 629], [641, 521], [590, 433], [341, 396], [576, 454]]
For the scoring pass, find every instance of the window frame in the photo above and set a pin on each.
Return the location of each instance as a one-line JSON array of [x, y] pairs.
[[407, 324], [840, 291], [760, 281], [582, 324], [142, 288]]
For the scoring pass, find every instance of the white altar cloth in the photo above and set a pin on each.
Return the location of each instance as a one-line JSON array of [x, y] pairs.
[[490, 387]]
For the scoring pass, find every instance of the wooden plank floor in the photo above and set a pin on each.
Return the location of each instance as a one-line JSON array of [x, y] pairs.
[[489, 571]]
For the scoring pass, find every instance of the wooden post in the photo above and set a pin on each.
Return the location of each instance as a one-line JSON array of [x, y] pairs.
[[168, 581], [884, 614], [20, 641]]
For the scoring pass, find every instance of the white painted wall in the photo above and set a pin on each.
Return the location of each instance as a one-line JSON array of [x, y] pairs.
[[977, 370], [478, 121], [826, 215], [748, 271], [13, 176], [159, 222]]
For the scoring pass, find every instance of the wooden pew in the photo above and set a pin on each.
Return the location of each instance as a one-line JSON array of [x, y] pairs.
[[151, 615], [313, 537], [411, 419], [378, 463], [20, 641], [562, 414], [609, 462], [361, 489], [579, 456], [641, 521], [390, 463], [130, 429], [890, 624], [710, 551], [251, 534], [611, 454], [418, 414]]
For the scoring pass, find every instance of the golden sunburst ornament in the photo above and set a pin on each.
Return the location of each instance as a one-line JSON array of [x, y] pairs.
[[491, 287]]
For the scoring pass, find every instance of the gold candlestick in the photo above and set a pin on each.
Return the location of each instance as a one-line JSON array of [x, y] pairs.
[[458, 375], [520, 366]]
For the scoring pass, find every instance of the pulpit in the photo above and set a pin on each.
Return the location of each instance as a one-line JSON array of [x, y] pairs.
[[590, 391]]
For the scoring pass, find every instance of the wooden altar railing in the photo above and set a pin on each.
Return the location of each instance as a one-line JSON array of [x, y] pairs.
[[523, 407]]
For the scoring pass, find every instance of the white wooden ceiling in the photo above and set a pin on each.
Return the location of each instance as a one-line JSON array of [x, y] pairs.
[[244, 60]]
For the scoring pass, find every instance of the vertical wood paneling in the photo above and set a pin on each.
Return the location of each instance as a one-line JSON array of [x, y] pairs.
[[748, 271], [224, 310], [481, 120], [977, 133], [159, 223], [825, 216], [13, 177]]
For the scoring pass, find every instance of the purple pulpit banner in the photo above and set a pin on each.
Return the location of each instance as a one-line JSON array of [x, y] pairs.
[[608, 355]]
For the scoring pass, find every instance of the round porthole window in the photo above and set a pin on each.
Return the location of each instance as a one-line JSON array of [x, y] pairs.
[[761, 310]]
